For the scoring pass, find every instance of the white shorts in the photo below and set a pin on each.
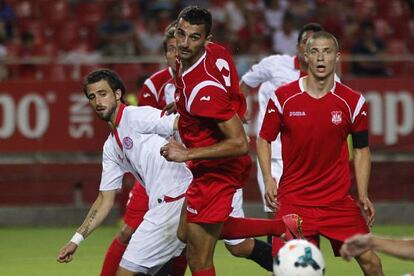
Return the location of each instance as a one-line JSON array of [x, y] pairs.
[[237, 212], [276, 171], [155, 241]]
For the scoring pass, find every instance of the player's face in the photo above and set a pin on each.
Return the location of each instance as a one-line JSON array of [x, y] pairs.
[[190, 41], [103, 99], [322, 57], [171, 53], [301, 47]]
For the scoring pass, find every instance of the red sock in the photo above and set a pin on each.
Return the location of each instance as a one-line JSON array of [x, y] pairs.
[[238, 228], [206, 272], [178, 266], [113, 257]]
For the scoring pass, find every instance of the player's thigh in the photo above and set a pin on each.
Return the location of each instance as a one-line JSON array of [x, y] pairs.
[[155, 241]]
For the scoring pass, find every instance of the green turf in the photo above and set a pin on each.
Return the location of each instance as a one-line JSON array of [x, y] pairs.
[[33, 251]]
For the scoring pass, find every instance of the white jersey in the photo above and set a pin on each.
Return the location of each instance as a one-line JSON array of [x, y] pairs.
[[131, 149], [271, 73]]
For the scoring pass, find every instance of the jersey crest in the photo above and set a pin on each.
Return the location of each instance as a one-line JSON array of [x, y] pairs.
[[336, 117]]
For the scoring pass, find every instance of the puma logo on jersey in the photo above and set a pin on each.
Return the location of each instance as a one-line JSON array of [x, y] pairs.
[[364, 113], [146, 95], [205, 98], [271, 111]]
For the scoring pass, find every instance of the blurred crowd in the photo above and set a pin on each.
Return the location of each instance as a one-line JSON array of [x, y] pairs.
[[76, 30]]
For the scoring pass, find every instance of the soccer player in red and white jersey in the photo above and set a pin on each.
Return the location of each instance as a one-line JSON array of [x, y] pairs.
[[158, 90], [314, 115], [130, 149], [216, 144]]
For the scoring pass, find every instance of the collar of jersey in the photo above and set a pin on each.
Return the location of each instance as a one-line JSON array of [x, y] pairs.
[[119, 114], [195, 64]]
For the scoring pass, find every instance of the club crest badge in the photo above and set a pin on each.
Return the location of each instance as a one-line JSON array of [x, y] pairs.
[[127, 143], [336, 117]]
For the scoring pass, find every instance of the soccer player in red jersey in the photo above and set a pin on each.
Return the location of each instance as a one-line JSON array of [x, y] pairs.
[[314, 116], [216, 144]]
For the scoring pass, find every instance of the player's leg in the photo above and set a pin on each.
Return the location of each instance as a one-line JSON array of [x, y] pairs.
[[370, 263], [343, 220], [201, 242], [253, 249], [137, 206], [155, 241]]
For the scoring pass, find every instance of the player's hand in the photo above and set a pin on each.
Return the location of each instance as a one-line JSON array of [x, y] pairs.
[[355, 246], [170, 108], [368, 209], [174, 151], [270, 193], [66, 252]]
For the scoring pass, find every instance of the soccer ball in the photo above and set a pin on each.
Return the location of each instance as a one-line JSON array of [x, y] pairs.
[[299, 258]]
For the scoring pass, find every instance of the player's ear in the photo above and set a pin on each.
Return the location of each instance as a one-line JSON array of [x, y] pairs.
[[209, 38], [306, 56], [338, 56], [118, 94]]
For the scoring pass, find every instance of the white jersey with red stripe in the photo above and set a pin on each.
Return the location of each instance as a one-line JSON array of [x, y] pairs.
[[131, 149], [314, 137], [158, 90]]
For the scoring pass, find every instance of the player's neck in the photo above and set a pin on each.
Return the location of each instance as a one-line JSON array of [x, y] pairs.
[[318, 88], [112, 121]]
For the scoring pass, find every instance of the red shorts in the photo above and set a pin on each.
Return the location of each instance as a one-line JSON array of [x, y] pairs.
[[137, 206], [209, 201], [336, 223]]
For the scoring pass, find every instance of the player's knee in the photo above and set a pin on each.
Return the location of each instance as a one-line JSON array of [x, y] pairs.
[[370, 263], [238, 250]]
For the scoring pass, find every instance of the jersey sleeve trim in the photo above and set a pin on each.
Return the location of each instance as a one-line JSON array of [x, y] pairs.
[[276, 102], [151, 87], [197, 89], [358, 107]]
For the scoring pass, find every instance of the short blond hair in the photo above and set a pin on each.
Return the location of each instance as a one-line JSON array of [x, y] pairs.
[[322, 34]]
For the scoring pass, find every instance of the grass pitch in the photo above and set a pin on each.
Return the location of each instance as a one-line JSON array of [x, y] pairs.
[[33, 252]]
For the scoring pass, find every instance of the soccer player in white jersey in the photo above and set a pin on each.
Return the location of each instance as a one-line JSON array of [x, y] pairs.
[[314, 115], [128, 149], [269, 74]]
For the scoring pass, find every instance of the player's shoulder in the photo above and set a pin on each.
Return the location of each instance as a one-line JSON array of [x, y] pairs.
[[137, 113], [278, 60], [346, 92], [215, 48], [288, 89], [161, 75]]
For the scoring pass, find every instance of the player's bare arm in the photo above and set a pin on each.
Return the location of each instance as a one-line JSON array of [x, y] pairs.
[[362, 164], [234, 144], [244, 88], [264, 156], [97, 213], [358, 244]]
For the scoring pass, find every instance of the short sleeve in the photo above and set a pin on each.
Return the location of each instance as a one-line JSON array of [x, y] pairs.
[[111, 178], [271, 122], [148, 95], [260, 72], [211, 101], [360, 116], [149, 120]]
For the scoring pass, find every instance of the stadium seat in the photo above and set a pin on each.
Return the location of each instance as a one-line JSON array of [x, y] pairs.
[[89, 13], [55, 11]]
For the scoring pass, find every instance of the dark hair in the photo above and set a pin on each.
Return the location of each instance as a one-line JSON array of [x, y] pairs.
[[197, 16], [168, 34], [314, 27], [109, 76]]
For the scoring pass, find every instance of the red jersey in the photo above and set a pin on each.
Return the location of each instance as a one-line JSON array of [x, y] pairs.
[[206, 92], [158, 90], [313, 135]]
